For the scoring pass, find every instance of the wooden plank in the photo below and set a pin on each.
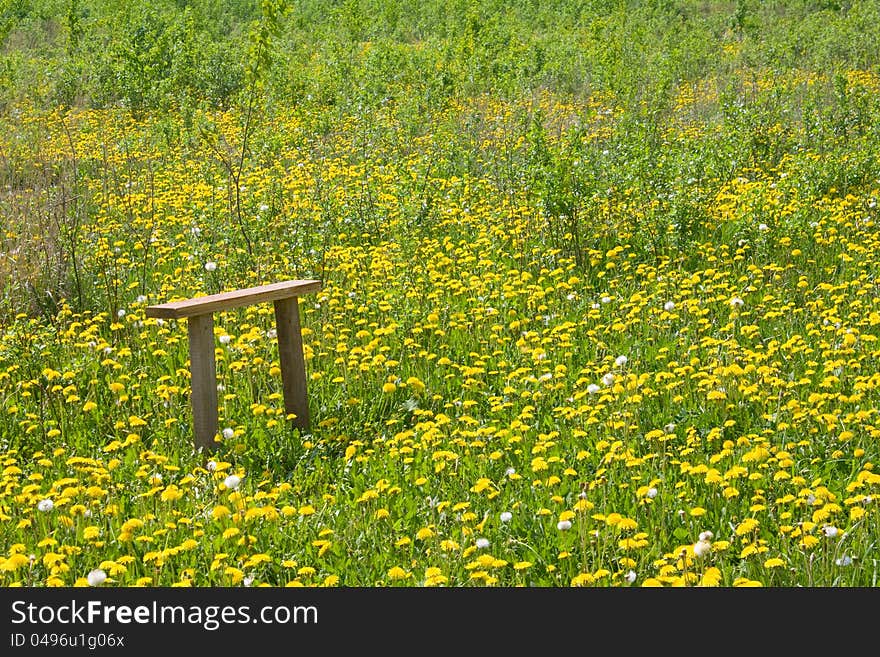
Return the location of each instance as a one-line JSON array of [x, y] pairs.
[[293, 364], [204, 380], [233, 299]]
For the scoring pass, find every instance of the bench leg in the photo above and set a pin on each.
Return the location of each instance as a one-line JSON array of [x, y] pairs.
[[293, 364], [204, 380]]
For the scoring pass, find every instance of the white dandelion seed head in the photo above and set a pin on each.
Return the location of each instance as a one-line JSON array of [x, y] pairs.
[[595, 306], [510, 471], [96, 577], [141, 298], [45, 505], [225, 339], [669, 306], [248, 580], [630, 576], [736, 302], [263, 207], [605, 299], [506, 516], [228, 433], [608, 379], [652, 493], [706, 536], [702, 548], [210, 265], [272, 334], [232, 482], [845, 560], [563, 525], [620, 361], [669, 428], [830, 531], [811, 499], [482, 543], [120, 313], [593, 389], [763, 227]]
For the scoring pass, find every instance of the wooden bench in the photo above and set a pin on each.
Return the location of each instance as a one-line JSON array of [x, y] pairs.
[[199, 313]]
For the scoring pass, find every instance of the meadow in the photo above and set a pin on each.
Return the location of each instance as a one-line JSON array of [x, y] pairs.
[[600, 301]]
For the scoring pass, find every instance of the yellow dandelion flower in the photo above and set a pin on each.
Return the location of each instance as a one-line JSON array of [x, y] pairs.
[[746, 526], [14, 562], [322, 545], [434, 577], [171, 494], [583, 579], [398, 573], [235, 574], [809, 541], [746, 582], [711, 577], [627, 524]]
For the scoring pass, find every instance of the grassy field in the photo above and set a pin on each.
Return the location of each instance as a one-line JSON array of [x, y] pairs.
[[600, 301]]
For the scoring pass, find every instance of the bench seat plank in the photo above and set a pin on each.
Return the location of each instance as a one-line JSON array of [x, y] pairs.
[[233, 299]]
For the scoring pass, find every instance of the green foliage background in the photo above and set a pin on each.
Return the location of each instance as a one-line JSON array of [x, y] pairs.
[[164, 54]]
